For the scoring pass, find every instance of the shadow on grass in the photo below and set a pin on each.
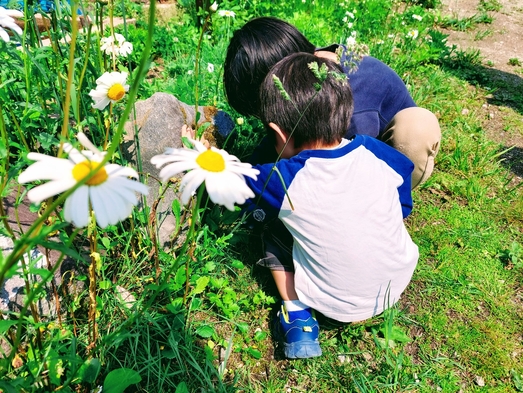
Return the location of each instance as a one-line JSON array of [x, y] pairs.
[[506, 88], [513, 160]]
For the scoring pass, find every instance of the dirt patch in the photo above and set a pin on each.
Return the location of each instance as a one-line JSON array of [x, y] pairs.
[[501, 69], [498, 41]]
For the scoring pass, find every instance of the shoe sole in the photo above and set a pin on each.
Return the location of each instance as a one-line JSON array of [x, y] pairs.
[[302, 349]]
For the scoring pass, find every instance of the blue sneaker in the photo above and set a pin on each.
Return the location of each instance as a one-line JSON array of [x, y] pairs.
[[299, 331]]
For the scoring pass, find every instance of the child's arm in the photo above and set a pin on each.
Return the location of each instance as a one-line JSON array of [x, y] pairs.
[[400, 164]]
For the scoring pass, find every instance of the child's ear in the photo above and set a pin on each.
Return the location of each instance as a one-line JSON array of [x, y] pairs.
[[281, 136], [283, 144]]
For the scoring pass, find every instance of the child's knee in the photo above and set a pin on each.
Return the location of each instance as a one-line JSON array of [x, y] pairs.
[[416, 133]]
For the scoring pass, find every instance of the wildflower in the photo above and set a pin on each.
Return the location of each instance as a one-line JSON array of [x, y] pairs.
[[351, 41], [390, 36], [417, 17], [349, 25], [227, 13], [110, 88], [110, 192], [413, 34], [190, 72], [380, 42], [222, 173], [7, 21], [120, 48], [350, 14], [210, 67], [240, 121], [214, 7]]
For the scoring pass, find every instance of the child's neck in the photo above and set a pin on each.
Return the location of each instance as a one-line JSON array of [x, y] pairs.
[[320, 145]]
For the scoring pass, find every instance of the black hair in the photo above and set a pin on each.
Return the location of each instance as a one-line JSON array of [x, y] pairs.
[[252, 51], [313, 111]]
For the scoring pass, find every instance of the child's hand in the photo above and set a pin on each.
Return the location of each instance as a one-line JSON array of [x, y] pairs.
[[188, 132]]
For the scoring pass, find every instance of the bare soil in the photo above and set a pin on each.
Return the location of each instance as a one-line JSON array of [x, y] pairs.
[[499, 43]]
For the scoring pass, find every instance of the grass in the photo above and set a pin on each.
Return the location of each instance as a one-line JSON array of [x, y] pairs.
[[458, 326]]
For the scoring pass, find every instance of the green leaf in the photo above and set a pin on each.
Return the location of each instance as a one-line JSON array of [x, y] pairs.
[[105, 284], [237, 264], [254, 353], [5, 325], [120, 379], [3, 150], [89, 370], [260, 335], [243, 327], [205, 331], [46, 140], [201, 284], [182, 388], [106, 242], [210, 266]]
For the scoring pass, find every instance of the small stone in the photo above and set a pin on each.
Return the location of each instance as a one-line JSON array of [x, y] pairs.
[[479, 380], [125, 296]]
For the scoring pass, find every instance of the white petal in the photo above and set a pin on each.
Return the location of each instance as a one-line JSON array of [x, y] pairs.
[[243, 169], [56, 169], [129, 186], [227, 189], [118, 170], [119, 187], [102, 207], [190, 182], [173, 155], [100, 104], [82, 138], [172, 170], [76, 209], [4, 35], [117, 208], [47, 190]]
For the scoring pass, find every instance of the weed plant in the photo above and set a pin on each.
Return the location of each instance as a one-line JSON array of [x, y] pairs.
[[167, 323]]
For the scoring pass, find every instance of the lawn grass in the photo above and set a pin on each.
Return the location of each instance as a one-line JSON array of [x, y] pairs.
[[458, 327]]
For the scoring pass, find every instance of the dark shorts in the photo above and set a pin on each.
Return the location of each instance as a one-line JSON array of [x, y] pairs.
[[277, 247]]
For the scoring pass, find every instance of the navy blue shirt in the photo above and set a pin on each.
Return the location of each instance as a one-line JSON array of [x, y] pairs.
[[378, 92]]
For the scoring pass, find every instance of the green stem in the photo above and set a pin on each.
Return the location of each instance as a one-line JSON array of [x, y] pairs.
[[197, 71], [70, 74], [195, 218]]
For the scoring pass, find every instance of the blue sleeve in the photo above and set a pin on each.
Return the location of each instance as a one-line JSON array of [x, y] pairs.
[[401, 165], [269, 188]]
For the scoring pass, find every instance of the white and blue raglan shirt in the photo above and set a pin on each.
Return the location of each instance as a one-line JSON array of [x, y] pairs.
[[345, 207]]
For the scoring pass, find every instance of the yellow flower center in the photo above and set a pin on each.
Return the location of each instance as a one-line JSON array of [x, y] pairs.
[[84, 168], [116, 92], [211, 161]]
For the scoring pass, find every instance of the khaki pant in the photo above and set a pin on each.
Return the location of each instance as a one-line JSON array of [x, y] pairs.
[[416, 133]]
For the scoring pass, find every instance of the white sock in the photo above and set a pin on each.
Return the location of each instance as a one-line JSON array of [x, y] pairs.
[[294, 305]]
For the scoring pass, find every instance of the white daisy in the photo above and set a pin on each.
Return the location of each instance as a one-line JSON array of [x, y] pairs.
[[413, 34], [222, 173], [227, 13], [110, 192], [7, 21], [417, 17], [120, 48], [110, 87]]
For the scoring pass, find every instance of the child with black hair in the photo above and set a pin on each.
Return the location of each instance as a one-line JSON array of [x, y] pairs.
[[341, 200]]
